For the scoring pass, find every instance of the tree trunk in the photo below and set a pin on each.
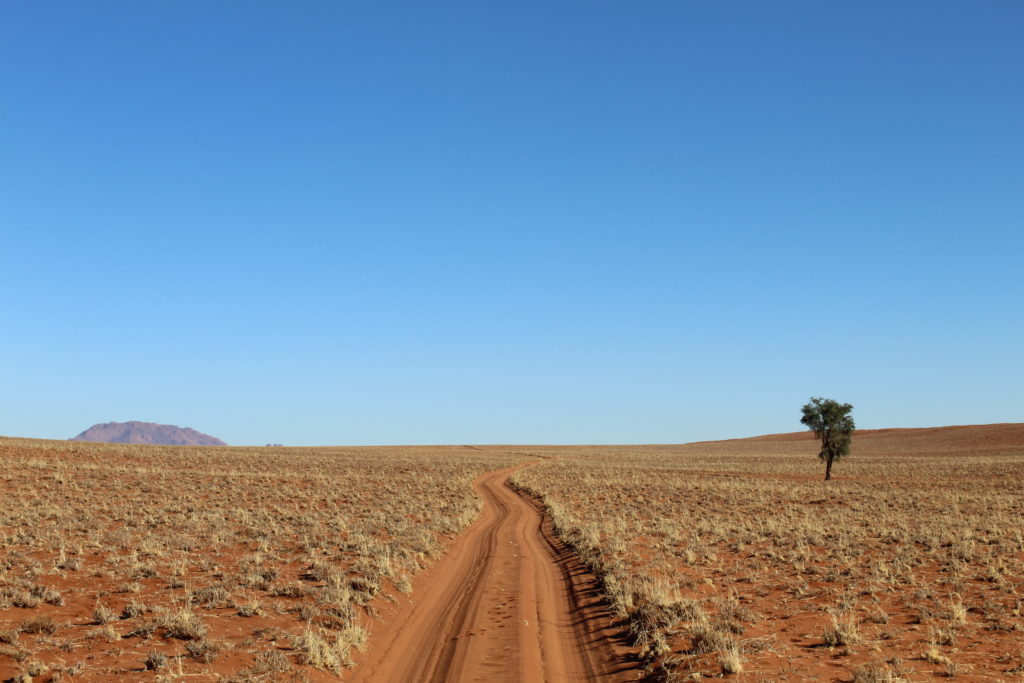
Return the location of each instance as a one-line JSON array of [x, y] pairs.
[[828, 468]]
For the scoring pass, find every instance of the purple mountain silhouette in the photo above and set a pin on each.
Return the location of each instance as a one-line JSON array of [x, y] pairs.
[[147, 432]]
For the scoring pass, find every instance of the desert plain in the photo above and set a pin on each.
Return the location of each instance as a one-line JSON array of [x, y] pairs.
[[726, 559]]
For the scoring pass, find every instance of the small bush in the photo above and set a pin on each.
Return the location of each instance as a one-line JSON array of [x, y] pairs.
[[251, 609], [873, 673], [730, 660], [204, 650], [183, 625], [133, 609], [155, 660], [39, 625], [843, 631], [101, 614]]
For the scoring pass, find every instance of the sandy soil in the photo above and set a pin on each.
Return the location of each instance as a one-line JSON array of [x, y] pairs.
[[243, 564], [712, 559], [734, 558], [507, 603]]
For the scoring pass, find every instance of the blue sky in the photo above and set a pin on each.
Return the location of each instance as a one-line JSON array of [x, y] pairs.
[[465, 222]]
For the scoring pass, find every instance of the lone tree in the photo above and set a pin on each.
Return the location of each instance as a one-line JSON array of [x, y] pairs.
[[831, 422]]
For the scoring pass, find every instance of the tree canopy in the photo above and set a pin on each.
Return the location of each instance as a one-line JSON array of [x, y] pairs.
[[832, 423]]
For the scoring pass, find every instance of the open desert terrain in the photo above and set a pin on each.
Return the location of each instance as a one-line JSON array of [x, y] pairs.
[[498, 241], [519, 563]]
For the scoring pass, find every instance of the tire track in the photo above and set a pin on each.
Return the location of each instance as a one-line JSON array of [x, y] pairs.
[[502, 605]]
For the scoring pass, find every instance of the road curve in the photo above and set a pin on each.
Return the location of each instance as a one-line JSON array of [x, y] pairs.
[[502, 605]]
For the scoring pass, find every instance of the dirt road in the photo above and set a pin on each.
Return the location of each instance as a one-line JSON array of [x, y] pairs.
[[505, 604]]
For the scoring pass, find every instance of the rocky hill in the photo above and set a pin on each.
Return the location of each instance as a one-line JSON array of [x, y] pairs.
[[147, 432]]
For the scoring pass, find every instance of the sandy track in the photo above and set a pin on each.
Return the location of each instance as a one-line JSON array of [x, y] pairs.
[[505, 604]]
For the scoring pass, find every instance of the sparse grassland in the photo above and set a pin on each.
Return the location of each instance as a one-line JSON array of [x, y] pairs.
[[735, 558], [171, 561], [723, 558]]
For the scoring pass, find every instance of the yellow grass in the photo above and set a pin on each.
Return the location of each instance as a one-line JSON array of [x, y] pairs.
[[161, 548], [702, 544]]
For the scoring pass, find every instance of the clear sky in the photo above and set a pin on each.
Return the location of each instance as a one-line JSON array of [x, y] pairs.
[[526, 222]]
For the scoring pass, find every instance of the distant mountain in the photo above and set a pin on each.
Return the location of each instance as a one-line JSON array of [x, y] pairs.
[[147, 432]]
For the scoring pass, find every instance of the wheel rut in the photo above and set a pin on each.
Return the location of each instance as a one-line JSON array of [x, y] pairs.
[[506, 603]]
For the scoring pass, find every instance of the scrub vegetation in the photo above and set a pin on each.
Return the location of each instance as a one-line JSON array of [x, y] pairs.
[[727, 558], [184, 561], [733, 558]]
